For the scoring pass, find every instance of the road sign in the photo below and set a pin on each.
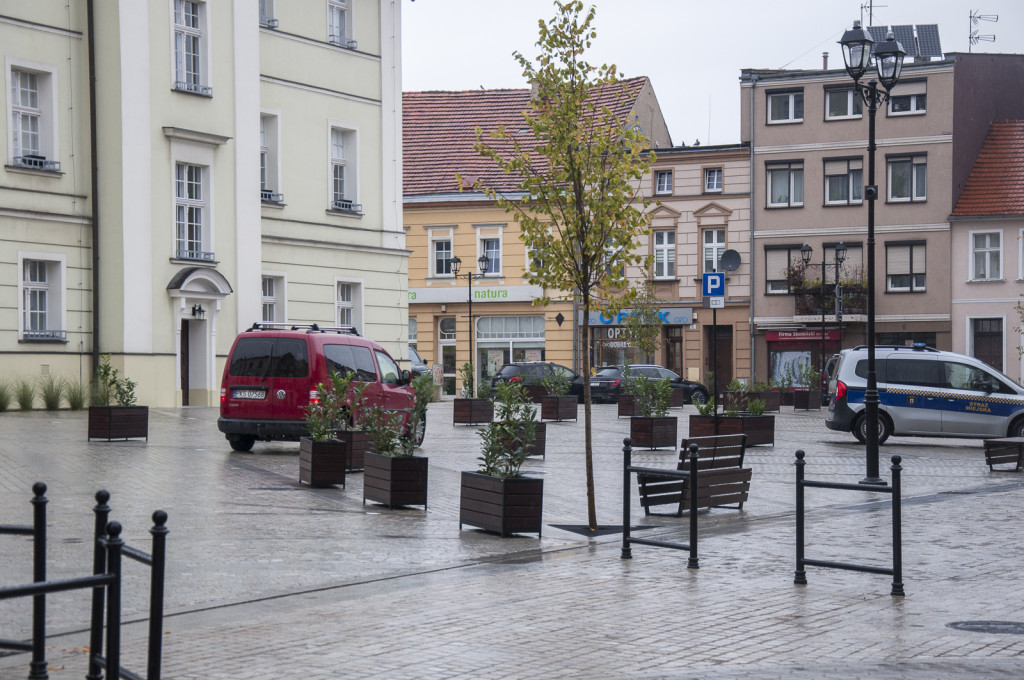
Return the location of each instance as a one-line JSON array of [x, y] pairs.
[[717, 302], [713, 284]]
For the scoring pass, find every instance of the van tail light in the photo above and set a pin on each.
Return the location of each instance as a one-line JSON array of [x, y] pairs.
[[840, 390], [313, 398], [223, 395]]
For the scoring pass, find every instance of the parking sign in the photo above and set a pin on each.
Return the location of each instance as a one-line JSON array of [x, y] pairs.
[[713, 284]]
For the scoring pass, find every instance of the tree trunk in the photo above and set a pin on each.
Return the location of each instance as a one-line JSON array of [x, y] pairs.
[[589, 446]]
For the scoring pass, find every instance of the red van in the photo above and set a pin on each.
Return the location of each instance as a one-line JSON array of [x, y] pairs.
[[273, 369]]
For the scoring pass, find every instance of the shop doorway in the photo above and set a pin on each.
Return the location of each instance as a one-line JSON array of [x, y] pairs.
[[446, 351], [718, 344], [674, 350]]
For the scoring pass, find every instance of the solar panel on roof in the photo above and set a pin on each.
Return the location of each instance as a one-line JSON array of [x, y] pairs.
[[878, 33], [928, 40], [905, 36]]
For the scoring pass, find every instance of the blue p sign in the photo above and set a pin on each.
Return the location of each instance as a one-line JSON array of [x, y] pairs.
[[713, 284]]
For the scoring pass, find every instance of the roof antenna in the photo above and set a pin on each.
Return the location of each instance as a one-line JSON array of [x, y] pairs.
[[870, 6], [974, 38]]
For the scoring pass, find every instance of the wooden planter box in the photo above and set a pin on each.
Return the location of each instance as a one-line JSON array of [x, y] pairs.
[[504, 506], [118, 422], [772, 400], [395, 480], [472, 411], [806, 400], [759, 429], [734, 401], [535, 392], [678, 399], [540, 436], [357, 444], [653, 433], [786, 398], [627, 406], [322, 463], [558, 408]]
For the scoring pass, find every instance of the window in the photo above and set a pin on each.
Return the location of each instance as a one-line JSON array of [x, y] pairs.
[[273, 299], [491, 247], [785, 184], [786, 107], [714, 246], [42, 310], [413, 331], [339, 24], [268, 161], [348, 304], [663, 182], [712, 179], [909, 98], [343, 167], [442, 257], [510, 327], [842, 103], [664, 254], [778, 263], [267, 19], [986, 260], [844, 181], [189, 47], [908, 178], [32, 125], [987, 341], [905, 267], [190, 213]]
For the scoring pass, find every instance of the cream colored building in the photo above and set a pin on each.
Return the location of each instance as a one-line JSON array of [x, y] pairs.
[[248, 168]]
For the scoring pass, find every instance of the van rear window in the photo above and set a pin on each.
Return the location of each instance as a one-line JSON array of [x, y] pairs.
[[270, 358], [345, 359]]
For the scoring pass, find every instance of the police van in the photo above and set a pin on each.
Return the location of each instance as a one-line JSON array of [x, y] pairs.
[[924, 392]]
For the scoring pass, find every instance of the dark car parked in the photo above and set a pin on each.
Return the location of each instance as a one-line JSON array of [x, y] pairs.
[[533, 372], [417, 365], [606, 385]]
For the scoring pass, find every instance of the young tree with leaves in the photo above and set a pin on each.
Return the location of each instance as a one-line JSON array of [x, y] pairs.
[[578, 202]]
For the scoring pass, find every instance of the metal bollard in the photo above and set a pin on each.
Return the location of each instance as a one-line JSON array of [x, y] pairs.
[[114, 543], [692, 562], [800, 574], [99, 566], [627, 456], [156, 594], [897, 528], [38, 668]]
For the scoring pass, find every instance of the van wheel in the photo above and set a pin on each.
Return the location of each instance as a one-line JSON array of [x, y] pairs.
[[419, 432], [242, 443], [1016, 428], [860, 428]]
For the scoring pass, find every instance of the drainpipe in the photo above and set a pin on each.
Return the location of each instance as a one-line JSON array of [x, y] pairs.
[[753, 255], [94, 175]]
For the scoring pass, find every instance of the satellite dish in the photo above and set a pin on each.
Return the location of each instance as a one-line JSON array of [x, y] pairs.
[[730, 261]]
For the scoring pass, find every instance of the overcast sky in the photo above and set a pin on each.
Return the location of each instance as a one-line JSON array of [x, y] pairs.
[[693, 50]]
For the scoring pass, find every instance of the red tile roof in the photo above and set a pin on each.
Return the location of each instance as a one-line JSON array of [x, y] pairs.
[[996, 183], [439, 130]]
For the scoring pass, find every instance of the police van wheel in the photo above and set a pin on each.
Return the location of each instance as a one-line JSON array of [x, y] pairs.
[[860, 428], [1016, 428]]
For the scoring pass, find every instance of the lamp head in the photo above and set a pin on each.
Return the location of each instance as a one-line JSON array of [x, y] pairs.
[[889, 61], [483, 262], [840, 252], [456, 264], [856, 44], [805, 253]]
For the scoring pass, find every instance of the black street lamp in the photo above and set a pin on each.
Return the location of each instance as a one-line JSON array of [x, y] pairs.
[[483, 262], [840, 257], [888, 56]]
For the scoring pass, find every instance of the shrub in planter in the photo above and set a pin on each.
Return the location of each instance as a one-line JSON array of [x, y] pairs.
[[391, 474], [557, 404], [470, 410], [346, 395], [321, 456], [123, 421], [652, 427]]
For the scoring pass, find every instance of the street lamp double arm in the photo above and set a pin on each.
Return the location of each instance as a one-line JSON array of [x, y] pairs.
[[888, 57], [840, 257], [483, 263]]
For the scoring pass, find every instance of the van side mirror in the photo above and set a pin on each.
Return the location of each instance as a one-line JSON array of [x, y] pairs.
[[406, 377]]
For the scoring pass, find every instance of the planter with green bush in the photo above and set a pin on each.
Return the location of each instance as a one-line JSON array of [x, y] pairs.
[[125, 420]]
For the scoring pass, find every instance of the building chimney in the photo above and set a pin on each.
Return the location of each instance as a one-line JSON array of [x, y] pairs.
[[824, 61]]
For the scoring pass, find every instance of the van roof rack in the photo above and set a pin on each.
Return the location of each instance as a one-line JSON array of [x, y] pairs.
[[916, 347], [308, 327]]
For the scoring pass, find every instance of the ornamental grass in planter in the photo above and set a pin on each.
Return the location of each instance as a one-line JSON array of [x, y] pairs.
[[125, 420], [470, 409], [497, 497], [391, 474], [557, 403]]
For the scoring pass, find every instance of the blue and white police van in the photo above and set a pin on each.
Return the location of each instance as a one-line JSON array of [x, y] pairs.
[[924, 392]]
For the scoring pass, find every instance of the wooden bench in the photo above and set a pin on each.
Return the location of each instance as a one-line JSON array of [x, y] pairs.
[[722, 481], [1005, 451]]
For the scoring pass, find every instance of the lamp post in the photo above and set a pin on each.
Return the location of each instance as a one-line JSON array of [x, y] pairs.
[[456, 264], [840, 257], [888, 57]]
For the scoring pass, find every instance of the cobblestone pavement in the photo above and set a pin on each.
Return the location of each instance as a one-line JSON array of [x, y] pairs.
[[267, 579]]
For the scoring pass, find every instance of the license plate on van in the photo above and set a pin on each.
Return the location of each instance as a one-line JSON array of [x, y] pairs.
[[249, 394]]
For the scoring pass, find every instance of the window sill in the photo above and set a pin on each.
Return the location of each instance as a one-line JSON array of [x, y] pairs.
[[272, 204], [718, 192], [897, 114], [905, 201], [667, 194], [849, 204], [61, 340], [795, 121], [357, 211], [783, 207], [205, 263], [983, 281], [838, 119], [38, 172], [204, 91], [667, 279]]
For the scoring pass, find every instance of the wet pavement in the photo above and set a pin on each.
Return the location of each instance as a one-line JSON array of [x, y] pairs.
[[270, 579]]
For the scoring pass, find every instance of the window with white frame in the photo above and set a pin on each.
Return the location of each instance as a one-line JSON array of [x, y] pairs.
[[780, 263], [42, 293], [491, 247], [343, 170], [664, 254], [348, 304], [786, 106], [986, 256], [269, 183], [713, 247], [31, 110], [712, 180], [785, 184], [909, 98], [273, 299], [842, 103], [613, 263], [908, 178], [442, 257], [844, 181], [663, 181], [190, 47], [267, 19], [339, 23], [413, 331], [190, 213], [905, 267], [1020, 254]]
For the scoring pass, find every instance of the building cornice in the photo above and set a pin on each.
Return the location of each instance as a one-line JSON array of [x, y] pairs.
[[186, 135], [856, 144]]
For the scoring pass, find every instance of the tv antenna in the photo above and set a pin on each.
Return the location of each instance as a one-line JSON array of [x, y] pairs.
[[870, 7], [974, 38]]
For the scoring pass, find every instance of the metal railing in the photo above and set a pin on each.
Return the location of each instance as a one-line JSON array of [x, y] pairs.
[[201, 255], [347, 206], [37, 163], [193, 88], [268, 22], [342, 41], [48, 334], [268, 196]]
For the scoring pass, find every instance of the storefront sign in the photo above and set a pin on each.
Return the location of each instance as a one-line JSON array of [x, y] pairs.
[[480, 294], [800, 335], [669, 316]]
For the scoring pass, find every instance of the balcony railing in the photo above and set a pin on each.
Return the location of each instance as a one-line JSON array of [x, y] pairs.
[[37, 163], [342, 41], [200, 255], [268, 22], [809, 301], [193, 88], [347, 206], [47, 335], [268, 196]]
